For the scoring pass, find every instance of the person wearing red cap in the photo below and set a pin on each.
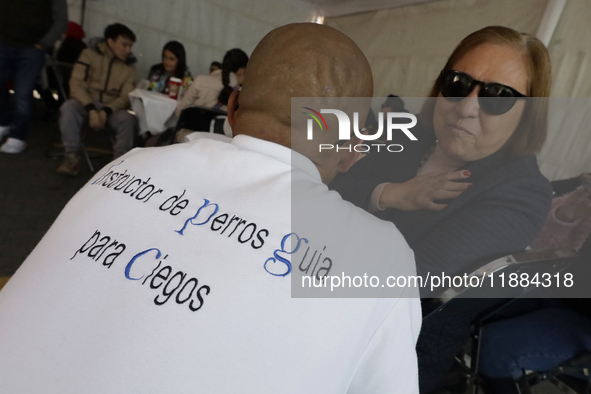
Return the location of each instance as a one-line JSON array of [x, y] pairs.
[[72, 45]]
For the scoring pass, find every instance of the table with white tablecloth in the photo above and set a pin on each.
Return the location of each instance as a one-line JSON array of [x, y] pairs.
[[155, 111]]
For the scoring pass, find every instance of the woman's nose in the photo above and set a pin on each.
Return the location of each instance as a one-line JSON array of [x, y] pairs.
[[469, 107]]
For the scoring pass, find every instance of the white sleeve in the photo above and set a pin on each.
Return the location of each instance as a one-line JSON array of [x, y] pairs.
[[389, 362]]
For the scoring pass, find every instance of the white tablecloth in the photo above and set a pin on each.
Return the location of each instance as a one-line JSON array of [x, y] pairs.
[[155, 111]]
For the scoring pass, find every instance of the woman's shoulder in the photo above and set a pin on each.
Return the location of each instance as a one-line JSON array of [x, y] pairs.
[[526, 168], [527, 165], [519, 179]]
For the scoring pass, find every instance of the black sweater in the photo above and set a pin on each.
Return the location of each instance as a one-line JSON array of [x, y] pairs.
[[500, 214]]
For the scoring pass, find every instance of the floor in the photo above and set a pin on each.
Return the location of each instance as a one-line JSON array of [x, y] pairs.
[[32, 194]]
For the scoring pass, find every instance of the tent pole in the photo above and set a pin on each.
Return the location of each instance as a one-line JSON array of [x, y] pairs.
[[82, 13], [550, 20]]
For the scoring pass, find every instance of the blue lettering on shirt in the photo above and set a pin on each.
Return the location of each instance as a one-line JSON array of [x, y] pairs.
[[281, 259]]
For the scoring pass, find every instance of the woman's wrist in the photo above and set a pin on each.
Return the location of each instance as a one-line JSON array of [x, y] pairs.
[[374, 200], [390, 197]]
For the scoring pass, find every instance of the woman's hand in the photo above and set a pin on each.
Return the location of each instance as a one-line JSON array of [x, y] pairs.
[[421, 191]]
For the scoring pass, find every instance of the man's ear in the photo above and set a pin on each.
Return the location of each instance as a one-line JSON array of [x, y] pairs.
[[349, 158], [232, 107]]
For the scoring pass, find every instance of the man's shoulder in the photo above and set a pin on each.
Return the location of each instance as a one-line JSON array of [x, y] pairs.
[[87, 53], [367, 231], [91, 56], [193, 151]]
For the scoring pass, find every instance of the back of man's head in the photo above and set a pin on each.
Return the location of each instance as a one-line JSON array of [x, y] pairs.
[[298, 60], [115, 30]]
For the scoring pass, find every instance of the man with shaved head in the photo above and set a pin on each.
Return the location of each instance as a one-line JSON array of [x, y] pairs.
[[182, 268]]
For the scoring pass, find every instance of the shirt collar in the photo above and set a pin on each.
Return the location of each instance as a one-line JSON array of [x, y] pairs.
[[279, 152]]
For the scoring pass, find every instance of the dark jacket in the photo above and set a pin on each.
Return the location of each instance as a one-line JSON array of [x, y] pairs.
[[70, 50], [500, 214], [30, 22]]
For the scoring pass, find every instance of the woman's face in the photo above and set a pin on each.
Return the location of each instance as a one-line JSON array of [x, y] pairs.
[[465, 132], [169, 60]]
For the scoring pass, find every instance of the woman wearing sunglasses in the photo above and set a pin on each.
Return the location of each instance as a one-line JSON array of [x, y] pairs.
[[469, 189]]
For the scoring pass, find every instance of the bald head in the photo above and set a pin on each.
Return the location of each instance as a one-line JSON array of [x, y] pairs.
[[297, 60]]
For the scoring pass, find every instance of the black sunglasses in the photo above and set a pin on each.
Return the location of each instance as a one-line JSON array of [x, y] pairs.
[[493, 98]]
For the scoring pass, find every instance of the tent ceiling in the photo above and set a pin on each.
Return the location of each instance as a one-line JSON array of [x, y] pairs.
[[345, 7]]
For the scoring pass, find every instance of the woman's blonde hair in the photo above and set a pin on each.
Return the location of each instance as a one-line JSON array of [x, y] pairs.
[[530, 135]]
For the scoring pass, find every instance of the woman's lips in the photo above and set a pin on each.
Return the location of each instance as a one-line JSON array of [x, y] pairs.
[[459, 130]]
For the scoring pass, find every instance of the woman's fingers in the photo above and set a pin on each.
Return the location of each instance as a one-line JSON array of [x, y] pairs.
[[457, 175], [457, 186], [433, 206], [422, 191], [446, 194]]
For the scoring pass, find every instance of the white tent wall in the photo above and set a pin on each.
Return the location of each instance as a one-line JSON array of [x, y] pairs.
[[75, 10], [567, 151], [408, 46], [207, 29]]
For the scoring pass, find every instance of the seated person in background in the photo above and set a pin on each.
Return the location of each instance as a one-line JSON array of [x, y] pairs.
[[72, 45], [101, 81], [469, 188], [215, 65], [174, 64], [180, 308], [213, 91], [542, 334], [64, 55], [393, 104]]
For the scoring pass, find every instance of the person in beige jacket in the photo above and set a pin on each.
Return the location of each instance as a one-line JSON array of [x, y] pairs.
[[101, 81], [213, 90]]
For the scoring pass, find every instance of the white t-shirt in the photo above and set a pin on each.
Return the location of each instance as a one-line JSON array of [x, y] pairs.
[[164, 274]]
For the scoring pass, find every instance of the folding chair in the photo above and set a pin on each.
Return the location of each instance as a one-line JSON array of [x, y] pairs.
[[201, 119], [563, 376], [478, 304], [101, 152], [61, 72]]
